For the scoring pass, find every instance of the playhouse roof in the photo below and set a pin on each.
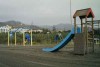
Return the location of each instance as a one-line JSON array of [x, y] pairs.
[[84, 13]]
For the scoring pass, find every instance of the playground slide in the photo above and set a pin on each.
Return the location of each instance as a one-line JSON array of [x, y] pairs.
[[62, 43]]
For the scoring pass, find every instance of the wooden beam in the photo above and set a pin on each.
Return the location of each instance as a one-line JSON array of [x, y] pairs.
[[75, 25], [23, 39], [93, 35], [81, 25], [15, 38], [8, 38], [86, 34], [31, 37]]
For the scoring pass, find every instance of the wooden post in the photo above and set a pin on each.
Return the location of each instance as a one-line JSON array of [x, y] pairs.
[[31, 37], [8, 38], [75, 25], [86, 34], [92, 35], [99, 32], [23, 39], [15, 38], [81, 25]]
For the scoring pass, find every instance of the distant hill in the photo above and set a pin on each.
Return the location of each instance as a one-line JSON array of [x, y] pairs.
[[13, 23], [10, 23], [2, 24], [60, 26], [18, 24]]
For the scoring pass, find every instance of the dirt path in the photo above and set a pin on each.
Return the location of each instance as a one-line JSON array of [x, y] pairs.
[[27, 56]]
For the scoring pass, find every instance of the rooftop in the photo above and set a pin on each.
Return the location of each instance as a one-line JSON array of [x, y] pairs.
[[84, 13]]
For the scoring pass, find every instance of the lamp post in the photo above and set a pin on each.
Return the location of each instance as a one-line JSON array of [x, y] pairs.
[[70, 13]]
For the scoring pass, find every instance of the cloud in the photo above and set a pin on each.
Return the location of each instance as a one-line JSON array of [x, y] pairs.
[[43, 12]]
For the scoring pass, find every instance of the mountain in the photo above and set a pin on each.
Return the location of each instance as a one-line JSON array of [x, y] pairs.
[[31, 27], [2, 24], [60, 26], [18, 24], [13, 23], [10, 23]]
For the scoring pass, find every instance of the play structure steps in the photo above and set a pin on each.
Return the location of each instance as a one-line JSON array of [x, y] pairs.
[[89, 35], [90, 39]]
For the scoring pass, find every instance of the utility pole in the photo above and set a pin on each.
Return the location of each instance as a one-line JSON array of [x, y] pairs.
[[70, 12]]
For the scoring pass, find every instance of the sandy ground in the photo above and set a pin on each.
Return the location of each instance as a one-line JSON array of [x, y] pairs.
[[33, 56]]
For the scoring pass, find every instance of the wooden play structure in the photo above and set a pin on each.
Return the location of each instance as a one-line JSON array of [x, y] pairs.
[[97, 32], [84, 41], [30, 38], [15, 38]]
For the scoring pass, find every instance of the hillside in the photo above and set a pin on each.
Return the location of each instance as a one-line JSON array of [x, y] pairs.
[[18, 24], [10, 23], [2, 24], [60, 26]]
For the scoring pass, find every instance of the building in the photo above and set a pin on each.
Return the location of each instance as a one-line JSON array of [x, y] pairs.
[[5, 29]]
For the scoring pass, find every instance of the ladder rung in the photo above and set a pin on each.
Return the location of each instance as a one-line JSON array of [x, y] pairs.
[[90, 38]]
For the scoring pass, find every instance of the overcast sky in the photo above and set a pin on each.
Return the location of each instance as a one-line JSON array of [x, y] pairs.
[[44, 12]]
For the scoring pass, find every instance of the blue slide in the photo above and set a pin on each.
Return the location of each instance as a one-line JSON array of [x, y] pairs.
[[64, 42]]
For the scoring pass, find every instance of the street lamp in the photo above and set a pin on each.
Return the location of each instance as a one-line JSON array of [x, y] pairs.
[[70, 13]]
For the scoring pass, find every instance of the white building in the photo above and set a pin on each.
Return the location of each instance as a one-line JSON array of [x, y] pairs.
[[40, 31], [8, 28], [5, 29], [19, 30]]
